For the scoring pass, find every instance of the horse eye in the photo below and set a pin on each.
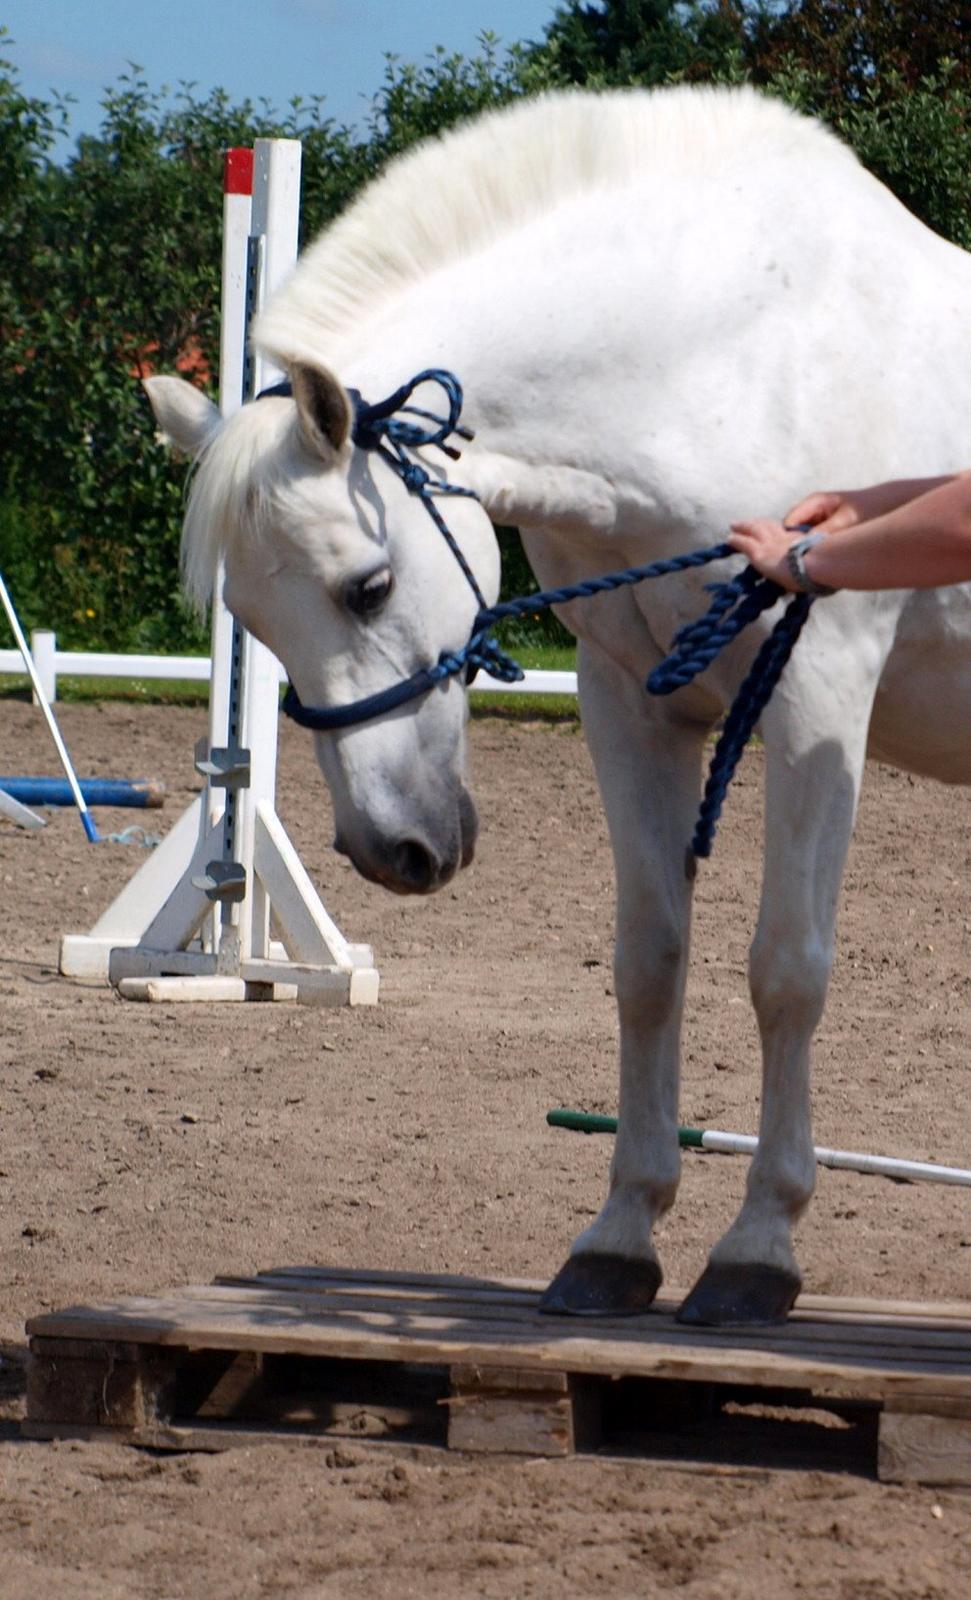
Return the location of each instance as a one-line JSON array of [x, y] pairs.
[[366, 595]]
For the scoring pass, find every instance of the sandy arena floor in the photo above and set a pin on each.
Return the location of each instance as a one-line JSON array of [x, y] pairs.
[[149, 1146]]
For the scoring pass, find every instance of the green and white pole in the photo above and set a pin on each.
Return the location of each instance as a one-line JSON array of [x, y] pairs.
[[745, 1144]]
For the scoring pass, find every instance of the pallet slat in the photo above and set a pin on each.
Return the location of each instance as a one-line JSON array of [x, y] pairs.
[[293, 1350], [375, 1279], [914, 1339], [200, 1319]]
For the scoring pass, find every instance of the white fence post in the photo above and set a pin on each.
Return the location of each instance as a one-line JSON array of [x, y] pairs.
[[43, 648]]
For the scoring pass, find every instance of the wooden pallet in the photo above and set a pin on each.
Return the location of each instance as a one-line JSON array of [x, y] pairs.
[[315, 1352]]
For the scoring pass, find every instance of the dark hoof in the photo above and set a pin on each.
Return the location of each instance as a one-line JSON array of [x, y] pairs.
[[730, 1296], [591, 1285]]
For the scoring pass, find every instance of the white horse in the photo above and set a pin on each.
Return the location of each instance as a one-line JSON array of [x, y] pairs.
[[666, 309]]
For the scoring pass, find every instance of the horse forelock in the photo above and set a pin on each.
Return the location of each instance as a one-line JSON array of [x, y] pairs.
[[458, 193], [232, 489]]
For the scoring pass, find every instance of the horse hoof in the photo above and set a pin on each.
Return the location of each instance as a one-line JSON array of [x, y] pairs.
[[730, 1296], [592, 1285]]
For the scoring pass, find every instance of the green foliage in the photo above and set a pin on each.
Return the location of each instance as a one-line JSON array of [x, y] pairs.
[[416, 102], [109, 264], [647, 42], [542, 628], [893, 78], [916, 141], [109, 270], [860, 46]]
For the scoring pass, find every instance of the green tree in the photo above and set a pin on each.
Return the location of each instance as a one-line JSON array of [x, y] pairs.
[[893, 77], [866, 47], [649, 42], [109, 263], [110, 270]]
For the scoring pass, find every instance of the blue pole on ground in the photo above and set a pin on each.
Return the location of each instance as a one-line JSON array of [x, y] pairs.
[[96, 791], [87, 821]]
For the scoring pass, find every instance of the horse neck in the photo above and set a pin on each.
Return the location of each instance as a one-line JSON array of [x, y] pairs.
[[544, 455], [478, 318]]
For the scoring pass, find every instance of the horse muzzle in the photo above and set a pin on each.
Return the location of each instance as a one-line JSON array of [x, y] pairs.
[[420, 859]]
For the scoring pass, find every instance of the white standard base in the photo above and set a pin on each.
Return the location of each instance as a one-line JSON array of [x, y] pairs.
[[18, 813], [264, 980], [148, 945]]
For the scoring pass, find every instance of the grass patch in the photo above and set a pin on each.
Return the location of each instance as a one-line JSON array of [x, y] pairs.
[[546, 657], [525, 707], [135, 691], [532, 707]]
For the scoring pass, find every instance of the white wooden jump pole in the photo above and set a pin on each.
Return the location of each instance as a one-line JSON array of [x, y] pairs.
[[194, 921]]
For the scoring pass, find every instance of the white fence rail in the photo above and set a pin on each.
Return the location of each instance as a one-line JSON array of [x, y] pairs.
[[52, 664]]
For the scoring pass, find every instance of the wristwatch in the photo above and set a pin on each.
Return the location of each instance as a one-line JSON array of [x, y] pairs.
[[796, 562]]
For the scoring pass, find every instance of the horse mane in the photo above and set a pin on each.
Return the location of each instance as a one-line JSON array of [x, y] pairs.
[[232, 488], [455, 194], [441, 202]]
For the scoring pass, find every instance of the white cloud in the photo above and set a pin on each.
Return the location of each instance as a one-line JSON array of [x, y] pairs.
[[58, 64]]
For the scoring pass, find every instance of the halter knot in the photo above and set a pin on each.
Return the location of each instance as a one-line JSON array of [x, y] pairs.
[[379, 423], [414, 477]]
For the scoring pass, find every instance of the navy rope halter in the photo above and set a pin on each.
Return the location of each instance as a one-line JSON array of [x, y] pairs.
[[386, 428]]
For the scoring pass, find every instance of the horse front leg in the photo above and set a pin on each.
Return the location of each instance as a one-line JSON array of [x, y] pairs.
[[812, 786], [648, 768]]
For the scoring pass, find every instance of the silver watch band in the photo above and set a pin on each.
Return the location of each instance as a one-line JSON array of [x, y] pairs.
[[796, 562]]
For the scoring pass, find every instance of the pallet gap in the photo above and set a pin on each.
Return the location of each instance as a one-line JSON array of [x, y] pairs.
[[391, 1400]]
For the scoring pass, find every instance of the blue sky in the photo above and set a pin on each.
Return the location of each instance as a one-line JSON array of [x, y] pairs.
[[252, 48]]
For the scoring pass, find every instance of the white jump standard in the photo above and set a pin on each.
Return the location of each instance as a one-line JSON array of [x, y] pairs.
[[194, 922]]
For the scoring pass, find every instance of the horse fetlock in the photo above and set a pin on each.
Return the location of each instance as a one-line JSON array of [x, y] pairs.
[[778, 1190], [624, 1225], [757, 1243]]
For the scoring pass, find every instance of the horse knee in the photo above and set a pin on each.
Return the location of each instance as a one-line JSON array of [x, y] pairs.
[[788, 982], [648, 970]]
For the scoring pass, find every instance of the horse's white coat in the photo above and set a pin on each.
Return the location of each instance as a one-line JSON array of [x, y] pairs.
[[666, 310]]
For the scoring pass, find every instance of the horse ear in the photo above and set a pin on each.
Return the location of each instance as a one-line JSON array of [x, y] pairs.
[[185, 415], [323, 409]]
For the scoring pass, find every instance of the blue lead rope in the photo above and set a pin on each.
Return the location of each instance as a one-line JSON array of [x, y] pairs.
[[735, 603]]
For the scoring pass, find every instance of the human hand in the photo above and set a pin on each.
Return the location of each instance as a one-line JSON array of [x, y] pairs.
[[829, 510], [833, 510], [765, 543]]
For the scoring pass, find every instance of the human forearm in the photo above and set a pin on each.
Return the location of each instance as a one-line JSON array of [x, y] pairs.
[[924, 542], [833, 509]]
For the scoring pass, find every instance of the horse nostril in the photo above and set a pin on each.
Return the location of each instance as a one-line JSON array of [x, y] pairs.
[[415, 865]]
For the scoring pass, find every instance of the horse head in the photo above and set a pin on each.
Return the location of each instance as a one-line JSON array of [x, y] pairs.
[[335, 566]]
